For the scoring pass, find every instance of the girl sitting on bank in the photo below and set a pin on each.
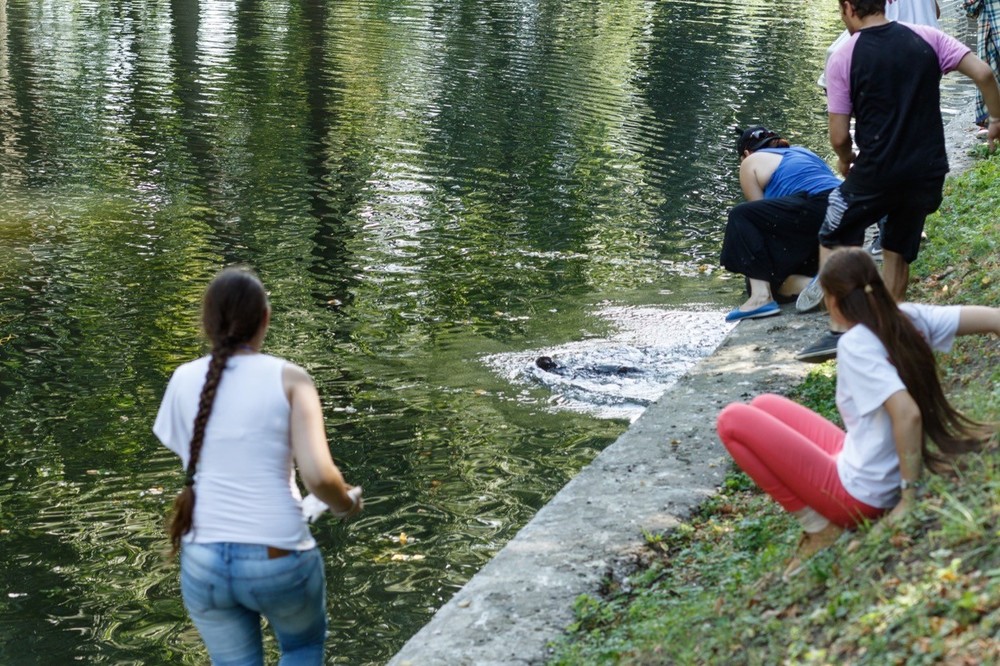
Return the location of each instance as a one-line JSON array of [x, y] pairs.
[[889, 397], [771, 239]]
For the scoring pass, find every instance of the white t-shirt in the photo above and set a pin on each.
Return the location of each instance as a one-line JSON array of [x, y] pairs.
[[245, 490], [918, 12], [868, 465]]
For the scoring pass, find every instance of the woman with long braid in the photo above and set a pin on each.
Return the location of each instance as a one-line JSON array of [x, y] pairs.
[[891, 402], [239, 419]]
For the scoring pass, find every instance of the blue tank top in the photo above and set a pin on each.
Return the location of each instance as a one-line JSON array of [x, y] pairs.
[[800, 170]]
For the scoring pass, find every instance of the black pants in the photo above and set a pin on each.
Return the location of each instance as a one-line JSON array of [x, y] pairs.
[[770, 239]]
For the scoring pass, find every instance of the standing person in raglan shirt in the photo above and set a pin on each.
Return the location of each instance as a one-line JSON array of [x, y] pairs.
[[919, 12], [887, 76]]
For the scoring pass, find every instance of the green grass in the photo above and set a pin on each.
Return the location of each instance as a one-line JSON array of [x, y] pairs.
[[924, 592]]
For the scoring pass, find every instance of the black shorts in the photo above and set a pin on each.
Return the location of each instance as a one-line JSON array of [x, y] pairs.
[[905, 208]]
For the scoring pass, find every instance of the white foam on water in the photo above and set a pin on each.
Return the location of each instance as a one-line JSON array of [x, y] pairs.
[[619, 376]]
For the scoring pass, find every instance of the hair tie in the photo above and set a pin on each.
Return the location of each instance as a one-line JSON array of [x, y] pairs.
[[868, 289], [189, 478]]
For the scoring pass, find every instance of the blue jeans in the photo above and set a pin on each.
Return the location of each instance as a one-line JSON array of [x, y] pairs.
[[228, 586]]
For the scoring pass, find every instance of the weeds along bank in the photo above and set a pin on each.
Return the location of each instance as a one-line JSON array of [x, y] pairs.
[[925, 592]]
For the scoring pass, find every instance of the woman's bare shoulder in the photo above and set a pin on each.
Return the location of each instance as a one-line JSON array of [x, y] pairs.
[[293, 376]]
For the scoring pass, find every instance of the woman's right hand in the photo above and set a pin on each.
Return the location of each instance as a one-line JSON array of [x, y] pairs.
[[356, 504], [891, 520], [310, 449], [903, 507]]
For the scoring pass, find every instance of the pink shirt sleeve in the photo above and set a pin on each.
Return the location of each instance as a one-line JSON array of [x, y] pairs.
[[838, 78], [949, 50]]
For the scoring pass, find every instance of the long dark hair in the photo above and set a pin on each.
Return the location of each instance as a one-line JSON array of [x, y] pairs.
[[851, 277], [233, 310]]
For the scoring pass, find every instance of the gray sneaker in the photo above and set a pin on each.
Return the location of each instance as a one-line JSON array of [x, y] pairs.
[[875, 249], [810, 297], [822, 350]]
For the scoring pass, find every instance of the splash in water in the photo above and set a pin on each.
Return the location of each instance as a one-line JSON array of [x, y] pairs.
[[618, 376]]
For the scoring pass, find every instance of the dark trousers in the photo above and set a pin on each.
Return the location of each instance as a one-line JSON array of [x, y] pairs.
[[770, 239]]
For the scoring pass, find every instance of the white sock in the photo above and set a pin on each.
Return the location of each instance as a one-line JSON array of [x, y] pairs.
[[811, 520]]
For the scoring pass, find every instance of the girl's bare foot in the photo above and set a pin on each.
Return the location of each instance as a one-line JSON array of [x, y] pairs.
[[809, 544]]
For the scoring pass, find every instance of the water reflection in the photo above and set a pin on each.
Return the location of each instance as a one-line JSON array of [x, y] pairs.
[[420, 185]]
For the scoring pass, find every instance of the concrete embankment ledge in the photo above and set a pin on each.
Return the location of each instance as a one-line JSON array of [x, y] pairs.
[[650, 479]]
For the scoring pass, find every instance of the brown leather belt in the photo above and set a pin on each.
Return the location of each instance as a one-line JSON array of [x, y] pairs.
[[274, 553]]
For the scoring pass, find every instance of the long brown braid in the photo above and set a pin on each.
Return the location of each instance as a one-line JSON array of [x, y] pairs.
[[233, 310], [852, 278]]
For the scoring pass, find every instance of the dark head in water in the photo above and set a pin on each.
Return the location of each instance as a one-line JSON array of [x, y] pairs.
[[546, 363], [549, 364]]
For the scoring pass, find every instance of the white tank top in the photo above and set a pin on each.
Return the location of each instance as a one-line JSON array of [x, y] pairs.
[[245, 486]]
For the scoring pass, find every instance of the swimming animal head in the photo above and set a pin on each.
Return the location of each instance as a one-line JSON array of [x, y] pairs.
[[546, 363]]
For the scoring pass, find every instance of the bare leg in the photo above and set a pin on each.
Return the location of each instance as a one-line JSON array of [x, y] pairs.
[[794, 284], [895, 274], [824, 254], [760, 294]]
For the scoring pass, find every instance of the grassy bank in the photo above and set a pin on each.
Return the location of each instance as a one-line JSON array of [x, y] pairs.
[[927, 591]]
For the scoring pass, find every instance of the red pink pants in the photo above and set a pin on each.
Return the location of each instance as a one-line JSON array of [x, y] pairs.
[[791, 453]]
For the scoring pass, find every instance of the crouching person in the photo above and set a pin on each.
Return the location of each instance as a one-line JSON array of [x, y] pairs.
[[891, 402]]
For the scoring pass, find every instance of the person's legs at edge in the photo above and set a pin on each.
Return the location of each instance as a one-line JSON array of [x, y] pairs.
[[743, 247], [768, 239], [231, 633], [895, 274], [818, 430], [794, 470], [290, 591], [847, 217], [902, 231]]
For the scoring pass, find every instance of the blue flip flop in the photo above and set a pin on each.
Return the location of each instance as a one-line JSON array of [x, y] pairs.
[[766, 310]]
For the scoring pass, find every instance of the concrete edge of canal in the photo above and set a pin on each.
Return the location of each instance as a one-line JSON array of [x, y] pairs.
[[650, 479]]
